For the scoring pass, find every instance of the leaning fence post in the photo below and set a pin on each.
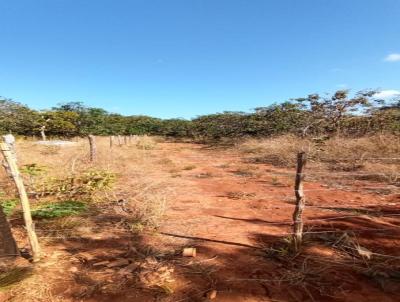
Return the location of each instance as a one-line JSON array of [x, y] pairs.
[[111, 141], [10, 141], [12, 165], [300, 201], [92, 144]]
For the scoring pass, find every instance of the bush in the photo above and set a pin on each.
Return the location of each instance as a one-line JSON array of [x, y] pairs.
[[85, 185], [59, 209], [9, 206]]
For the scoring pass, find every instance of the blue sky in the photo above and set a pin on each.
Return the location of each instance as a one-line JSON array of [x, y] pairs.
[[183, 58]]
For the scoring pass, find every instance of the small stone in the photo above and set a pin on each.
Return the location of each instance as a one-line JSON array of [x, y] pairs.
[[189, 252], [73, 269], [212, 294]]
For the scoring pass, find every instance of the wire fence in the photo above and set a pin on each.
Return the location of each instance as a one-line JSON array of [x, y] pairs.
[[370, 213]]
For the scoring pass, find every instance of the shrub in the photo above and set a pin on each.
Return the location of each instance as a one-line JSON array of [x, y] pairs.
[[9, 206], [59, 209], [81, 186]]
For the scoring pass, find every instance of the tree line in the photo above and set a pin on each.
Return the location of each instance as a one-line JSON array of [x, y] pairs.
[[315, 115]]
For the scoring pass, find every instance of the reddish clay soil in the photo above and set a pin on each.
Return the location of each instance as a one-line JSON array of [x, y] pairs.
[[234, 212]]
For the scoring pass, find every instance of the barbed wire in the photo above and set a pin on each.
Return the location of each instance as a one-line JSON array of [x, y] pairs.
[[360, 158], [346, 206], [332, 174]]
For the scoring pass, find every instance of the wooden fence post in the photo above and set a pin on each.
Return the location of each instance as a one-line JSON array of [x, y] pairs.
[[42, 133], [119, 140], [111, 141], [93, 149], [300, 201], [26, 210], [9, 139]]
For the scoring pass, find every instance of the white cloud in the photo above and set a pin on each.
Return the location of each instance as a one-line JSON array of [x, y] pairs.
[[393, 57], [387, 94]]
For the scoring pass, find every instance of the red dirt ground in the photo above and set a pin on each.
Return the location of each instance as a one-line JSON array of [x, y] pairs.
[[232, 211]]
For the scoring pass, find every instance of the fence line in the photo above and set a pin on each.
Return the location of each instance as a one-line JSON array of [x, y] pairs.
[[318, 173], [269, 223], [360, 158], [301, 200], [273, 234]]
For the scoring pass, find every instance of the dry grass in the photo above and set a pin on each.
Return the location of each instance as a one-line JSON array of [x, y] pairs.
[[145, 185], [240, 195], [138, 181], [145, 142], [375, 157], [279, 151]]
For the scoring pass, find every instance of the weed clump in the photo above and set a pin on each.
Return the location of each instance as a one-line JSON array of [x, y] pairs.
[[240, 195], [145, 142], [59, 209], [9, 206], [81, 186]]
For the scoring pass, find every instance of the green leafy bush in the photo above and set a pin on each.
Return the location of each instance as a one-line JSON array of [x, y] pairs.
[[8, 206], [59, 209]]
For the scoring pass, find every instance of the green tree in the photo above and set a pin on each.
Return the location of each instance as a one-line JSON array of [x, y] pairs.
[[60, 123], [329, 112], [17, 118]]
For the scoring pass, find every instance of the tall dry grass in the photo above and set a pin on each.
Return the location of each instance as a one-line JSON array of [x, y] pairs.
[[377, 155], [138, 183], [278, 151]]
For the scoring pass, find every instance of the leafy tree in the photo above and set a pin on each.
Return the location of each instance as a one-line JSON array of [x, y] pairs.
[[176, 128], [60, 123], [141, 124], [17, 118], [90, 120], [339, 113], [277, 119], [220, 125], [329, 112]]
